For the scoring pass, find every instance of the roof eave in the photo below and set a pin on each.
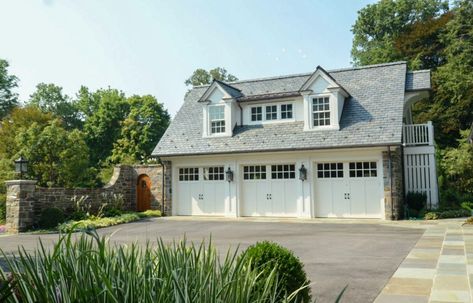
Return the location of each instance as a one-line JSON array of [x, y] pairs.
[[280, 150]]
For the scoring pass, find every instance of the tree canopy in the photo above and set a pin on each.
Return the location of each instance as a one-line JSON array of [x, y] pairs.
[[201, 76], [8, 98], [381, 24]]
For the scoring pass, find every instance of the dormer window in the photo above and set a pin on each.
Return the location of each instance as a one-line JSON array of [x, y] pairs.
[[286, 111], [217, 119], [272, 112], [321, 111], [256, 113]]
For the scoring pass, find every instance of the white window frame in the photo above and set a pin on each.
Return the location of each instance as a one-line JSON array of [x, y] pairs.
[[329, 111], [210, 120], [286, 111], [261, 113], [278, 113], [271, 113]]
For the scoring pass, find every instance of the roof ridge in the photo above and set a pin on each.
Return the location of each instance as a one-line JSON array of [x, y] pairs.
[[308, 73], [418, 71]]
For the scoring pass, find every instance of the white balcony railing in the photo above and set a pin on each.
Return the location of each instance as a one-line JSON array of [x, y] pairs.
[[418, 134]]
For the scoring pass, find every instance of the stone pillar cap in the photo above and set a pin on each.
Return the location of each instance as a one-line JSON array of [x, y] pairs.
[[16, 182]]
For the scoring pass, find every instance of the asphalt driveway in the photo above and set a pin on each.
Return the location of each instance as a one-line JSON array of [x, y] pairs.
[[362, 256]]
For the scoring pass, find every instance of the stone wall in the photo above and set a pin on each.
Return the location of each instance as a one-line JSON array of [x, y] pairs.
[[26, 201], [397, 201]]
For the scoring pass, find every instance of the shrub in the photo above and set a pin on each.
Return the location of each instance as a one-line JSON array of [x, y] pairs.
[[150, 213], [97, 222], [416, 200], [268, 256], [448, 213], [468, 206], [81, 207], [111, 205], [90, 269], [3, 208], [469, 220], [51, 217]]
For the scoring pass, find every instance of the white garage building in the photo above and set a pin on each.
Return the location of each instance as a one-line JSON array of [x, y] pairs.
[[326, 144]]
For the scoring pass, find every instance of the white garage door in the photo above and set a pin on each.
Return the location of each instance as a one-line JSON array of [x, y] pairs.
[[269, 190], [201, 191], [348, 189]]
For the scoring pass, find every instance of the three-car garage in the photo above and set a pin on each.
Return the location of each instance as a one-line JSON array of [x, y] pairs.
[[340, 188]]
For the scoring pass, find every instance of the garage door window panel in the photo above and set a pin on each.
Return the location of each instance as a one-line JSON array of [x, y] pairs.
[[329, 170], [283, 171], [363, 169], [254, 172], [214, 173], [189, 174]]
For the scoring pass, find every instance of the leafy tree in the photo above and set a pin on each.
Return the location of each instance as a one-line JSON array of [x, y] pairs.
[[50, 98], [379, 25], [86, 103], [452, 106], [8, 99], [141, 130], [19, 120], [201, 76], [57, 157], [457, 165], [103, 128]]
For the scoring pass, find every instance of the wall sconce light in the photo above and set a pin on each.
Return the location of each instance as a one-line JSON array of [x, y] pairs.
[[21, 166], [302, 173], [229, 175]]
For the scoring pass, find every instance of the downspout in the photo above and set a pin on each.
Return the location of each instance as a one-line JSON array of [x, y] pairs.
[[391, 181], [241, 113], [162, 186]]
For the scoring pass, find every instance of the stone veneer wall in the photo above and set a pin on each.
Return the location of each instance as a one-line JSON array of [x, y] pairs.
[[25, 201], [397, 186]]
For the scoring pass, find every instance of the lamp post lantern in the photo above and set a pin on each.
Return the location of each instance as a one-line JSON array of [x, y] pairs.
[[21, 166]]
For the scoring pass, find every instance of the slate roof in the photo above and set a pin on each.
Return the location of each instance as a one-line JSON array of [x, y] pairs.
[[418, 80], [372, 116]]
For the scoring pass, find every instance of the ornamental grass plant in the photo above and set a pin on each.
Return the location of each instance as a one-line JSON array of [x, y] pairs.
[[88, 268]]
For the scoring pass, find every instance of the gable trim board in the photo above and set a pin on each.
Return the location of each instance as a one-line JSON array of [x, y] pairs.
[[364, 118]]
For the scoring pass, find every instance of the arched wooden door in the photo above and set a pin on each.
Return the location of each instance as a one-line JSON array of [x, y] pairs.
[[143, 193]]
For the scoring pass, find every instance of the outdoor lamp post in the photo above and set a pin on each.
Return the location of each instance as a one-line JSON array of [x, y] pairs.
[[302, 173], [21, 166], [229, 175]]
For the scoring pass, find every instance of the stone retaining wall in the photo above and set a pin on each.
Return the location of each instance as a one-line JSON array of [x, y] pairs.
[[26, 201]]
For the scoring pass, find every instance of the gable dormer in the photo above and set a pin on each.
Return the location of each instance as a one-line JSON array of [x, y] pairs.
[[219, 109], [324, 99]]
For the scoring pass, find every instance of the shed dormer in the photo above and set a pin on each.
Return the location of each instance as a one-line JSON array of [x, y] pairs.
[[220, 112], [324, 99]]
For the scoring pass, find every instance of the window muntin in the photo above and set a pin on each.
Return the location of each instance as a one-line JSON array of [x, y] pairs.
[[286, 111], [363, 169], [257, 113], [254, 172], [283, 171], [330, 170], [321, 111], [215, 173], [217, 119], [271, 112], [189, 174]]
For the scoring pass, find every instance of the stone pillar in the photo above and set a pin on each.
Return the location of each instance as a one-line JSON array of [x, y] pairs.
[[167, 175], [393, 197], [20, 205]]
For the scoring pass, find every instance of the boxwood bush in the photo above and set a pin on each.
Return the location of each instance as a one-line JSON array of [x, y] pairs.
[[268, 256], [447, 213]]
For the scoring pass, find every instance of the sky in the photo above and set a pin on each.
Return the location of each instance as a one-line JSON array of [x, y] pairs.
[[151, 47]]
